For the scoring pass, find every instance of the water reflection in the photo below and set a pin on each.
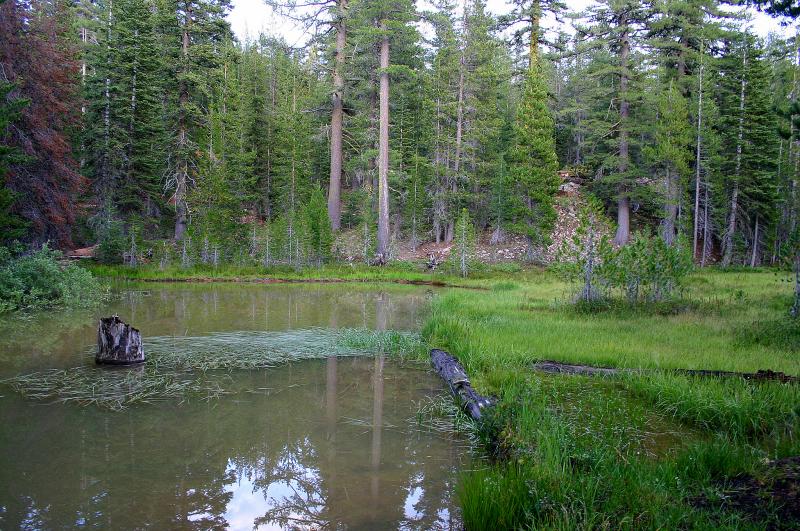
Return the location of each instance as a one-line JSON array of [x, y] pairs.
[[316, 444], [57, 339], [294, 456]]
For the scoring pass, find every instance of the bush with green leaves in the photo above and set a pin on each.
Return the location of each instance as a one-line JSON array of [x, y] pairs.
[[38, 280], [647, 269]]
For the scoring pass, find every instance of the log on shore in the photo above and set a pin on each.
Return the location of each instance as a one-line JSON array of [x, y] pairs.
[[118, 343], [452, 372], [555, 367]]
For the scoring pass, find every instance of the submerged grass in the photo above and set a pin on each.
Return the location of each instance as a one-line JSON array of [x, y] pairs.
[[176, 366], [631, 452]]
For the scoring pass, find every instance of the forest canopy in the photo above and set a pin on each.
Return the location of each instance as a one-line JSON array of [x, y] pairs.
[[147, 127]]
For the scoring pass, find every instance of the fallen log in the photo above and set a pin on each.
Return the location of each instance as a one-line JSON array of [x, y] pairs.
[[118, 343], [555, 367], [452, 372]]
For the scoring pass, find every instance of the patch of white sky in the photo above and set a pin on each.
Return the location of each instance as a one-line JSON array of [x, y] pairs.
[[249, 18]]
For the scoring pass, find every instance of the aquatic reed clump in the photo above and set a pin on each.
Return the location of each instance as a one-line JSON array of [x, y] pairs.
[[113, 389], [176, 366]]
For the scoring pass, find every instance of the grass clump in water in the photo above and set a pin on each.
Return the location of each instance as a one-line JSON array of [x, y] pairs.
[[113, 389], [176, 367]]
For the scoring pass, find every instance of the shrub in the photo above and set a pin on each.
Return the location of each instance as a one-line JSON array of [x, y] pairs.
[[646, 269], [38, 280]]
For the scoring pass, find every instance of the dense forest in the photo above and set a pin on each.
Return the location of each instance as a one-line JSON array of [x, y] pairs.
[[147, 127]]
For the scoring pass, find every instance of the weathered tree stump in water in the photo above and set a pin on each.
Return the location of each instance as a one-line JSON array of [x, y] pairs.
[[118, 343], [457, 380]]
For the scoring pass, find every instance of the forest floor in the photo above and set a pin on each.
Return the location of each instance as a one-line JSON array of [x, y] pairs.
[[650, 449]]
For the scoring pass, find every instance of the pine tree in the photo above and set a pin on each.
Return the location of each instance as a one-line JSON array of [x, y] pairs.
[[669, 155], [194, 31], [533, 161], [462, 253], [11, 225], [37, 56]]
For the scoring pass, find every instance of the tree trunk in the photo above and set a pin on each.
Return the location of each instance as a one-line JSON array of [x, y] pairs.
[[383, 151], [755, 245], [706, 229], [795, 311], [670, 208], [727, 258], [459, 133], [695, 235], [335, 186], [453, 373], [118, 343], [623, 201], [182, 174]]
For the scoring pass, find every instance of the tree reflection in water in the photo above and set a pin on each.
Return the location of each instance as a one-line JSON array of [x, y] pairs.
[[317, 444], [327, 444]]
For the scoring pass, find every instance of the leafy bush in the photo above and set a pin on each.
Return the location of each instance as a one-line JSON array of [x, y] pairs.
[[646, 269], [38, 280]]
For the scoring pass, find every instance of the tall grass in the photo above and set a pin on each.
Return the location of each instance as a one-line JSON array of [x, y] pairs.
[[632, 452]]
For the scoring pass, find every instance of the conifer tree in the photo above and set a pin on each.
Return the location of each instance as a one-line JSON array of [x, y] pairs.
[[533, 161], [669, 155], [462, 253]]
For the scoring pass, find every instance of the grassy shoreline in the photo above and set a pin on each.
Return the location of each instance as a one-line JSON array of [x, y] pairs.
[[405, 273], [640, 451]]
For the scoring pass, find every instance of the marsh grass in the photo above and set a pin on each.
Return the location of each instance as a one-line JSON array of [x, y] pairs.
[[114, 389], [404, 272], [440, 414], [630, 452], [183, 368]]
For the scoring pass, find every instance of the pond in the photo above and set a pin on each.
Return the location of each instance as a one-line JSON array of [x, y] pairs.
[[321, 443]]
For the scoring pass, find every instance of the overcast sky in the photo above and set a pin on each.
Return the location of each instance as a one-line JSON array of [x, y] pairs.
[[253, 16]]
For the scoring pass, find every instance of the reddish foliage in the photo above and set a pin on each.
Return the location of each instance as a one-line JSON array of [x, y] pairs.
[[37, 54]]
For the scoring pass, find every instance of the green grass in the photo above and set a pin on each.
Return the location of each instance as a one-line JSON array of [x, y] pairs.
[[405, 272], [630, 452]]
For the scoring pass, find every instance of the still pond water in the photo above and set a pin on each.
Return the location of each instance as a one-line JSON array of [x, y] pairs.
[[328, 443]]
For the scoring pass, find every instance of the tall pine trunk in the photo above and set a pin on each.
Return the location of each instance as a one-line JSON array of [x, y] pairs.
[[695, 235], [670, 207], [335, 186], [383, 151], [623, 202], [182, 175], [459, 129], [755, 245]]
